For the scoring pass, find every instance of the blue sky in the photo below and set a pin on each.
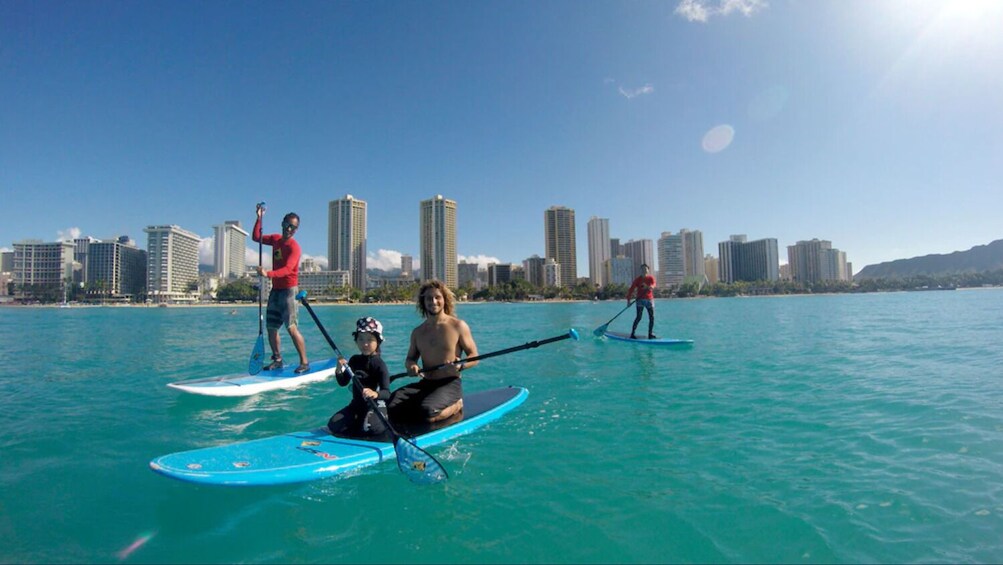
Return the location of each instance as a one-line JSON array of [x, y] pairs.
[[877, 125]]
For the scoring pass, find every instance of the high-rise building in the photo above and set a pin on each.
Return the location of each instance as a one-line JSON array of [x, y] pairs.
[[620, 270], [407, 267], [6, 261], [229, 249], [552, 273], [499, 273], [640, 252], [346, 238], [533, 267], [741, 260], [116, 269], [437, 234], [467, 274], [815, 261], [671, 260], [599, 249], [172, 264], [680, 256], [559, 236], [615, 249], [710, 266], [42, 265], [81, 246]]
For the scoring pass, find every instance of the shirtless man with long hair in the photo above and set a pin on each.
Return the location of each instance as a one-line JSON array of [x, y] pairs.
[[441, 338]]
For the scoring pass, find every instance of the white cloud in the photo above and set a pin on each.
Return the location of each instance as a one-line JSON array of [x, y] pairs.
[[481, 260], [703, 10], [385, 259], [68, 234], [205, 252], [319, 260], [635, 92]]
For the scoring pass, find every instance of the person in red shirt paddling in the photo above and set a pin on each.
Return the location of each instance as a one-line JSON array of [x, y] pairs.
[[285, 279], [644, 285]]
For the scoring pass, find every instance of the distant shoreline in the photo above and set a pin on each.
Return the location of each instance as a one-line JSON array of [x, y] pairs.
[[458, 303]]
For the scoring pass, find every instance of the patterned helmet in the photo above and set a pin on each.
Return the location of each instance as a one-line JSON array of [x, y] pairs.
[[369, 325]]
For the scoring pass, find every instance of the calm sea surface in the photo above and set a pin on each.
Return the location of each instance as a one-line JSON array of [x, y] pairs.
[[819, 429]]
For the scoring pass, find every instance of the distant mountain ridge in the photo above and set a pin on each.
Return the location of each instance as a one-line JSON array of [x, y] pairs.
[[977, 259]]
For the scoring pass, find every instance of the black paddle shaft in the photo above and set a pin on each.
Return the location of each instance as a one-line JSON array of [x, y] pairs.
[[529, 345], [320, 326]]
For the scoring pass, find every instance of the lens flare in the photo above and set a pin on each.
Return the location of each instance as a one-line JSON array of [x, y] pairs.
[[718, 138]]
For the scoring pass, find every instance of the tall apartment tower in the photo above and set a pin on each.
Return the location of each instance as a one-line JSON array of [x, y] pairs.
[[172, 263], [671, 260], [599, 249], [815, 261], [346, 239], [559, 233], [407, 267], [640, 252], [229, 249], [437, 235]]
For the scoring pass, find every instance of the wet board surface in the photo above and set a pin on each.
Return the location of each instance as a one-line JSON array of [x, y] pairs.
[[242, 384], [316, 454]]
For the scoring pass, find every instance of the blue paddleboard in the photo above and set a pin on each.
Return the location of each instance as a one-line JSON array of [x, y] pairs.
[[317, 454], [644, 340], [246, 385]]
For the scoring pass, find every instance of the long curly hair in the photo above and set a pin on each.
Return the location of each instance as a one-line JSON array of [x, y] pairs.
[[449, 300]]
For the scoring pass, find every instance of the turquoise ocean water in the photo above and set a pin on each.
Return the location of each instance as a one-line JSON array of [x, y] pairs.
[[820, 429]]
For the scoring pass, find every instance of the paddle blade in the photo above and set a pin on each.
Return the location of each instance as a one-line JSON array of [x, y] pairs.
[[257, 357], [600, 330], [419, 465]]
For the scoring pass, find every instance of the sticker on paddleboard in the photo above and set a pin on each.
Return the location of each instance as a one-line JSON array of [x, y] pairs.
[[194, 466], [241, 464], [310, 443]]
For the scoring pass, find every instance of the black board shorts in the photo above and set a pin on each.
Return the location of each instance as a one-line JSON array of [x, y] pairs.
[[425, 399]]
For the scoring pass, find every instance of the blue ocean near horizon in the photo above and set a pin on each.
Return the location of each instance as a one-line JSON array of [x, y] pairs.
[[801, 429]]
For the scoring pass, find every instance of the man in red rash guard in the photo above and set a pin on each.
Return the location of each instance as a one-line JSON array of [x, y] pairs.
[[285, 278], [644, 285]]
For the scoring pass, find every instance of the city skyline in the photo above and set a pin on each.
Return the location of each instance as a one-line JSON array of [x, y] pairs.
[[854, 122]]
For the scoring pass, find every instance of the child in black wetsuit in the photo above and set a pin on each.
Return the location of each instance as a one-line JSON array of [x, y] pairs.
[[357, 419]]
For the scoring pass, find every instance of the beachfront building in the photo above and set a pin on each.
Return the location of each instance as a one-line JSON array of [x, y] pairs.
[[437, 235], [710, 266], [599, 249], [553, 274], [671, 260], [620, 270], [499, 273], [346, 239], [42, 269], [467, 273], [116, 270], [816, 261], [559, 239], [172, 266], [533, 267], [324, 284], [742, 260], [229, 250]]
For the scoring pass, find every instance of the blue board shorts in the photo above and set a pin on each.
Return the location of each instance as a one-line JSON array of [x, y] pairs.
[[281, 308], [644, 303]]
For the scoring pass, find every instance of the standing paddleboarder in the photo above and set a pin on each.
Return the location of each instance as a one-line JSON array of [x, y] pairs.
[[285, 279], [644, 285]]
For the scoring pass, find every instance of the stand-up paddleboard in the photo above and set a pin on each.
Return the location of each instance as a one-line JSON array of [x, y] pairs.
[[644, 340], [246, 385], [316, 454]]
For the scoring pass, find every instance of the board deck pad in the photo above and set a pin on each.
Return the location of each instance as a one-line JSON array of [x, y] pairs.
[[646, 341], [242, 384], [316, 454]]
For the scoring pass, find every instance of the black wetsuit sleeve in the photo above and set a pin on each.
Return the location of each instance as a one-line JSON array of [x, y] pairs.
[[381, 376]]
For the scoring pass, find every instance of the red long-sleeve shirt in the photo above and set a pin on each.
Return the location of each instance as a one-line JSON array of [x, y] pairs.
[[285, 258], [643, 285]]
